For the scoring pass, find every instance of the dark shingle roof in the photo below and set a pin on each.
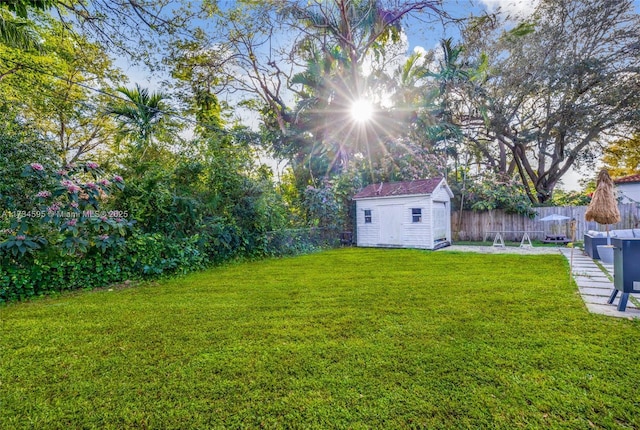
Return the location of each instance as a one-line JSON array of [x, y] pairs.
[[628, 179], [386, 189]]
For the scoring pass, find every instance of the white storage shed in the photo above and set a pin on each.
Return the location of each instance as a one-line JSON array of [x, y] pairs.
[[412, 214]]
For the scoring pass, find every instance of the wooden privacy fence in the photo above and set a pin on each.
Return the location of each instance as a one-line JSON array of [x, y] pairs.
[[470, 225]]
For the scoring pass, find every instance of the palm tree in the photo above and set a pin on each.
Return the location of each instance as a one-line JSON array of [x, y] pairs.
[[141, 115], [15, 29]]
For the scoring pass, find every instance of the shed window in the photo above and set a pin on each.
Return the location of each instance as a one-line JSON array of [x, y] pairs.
[[367, 216], [416, 215]]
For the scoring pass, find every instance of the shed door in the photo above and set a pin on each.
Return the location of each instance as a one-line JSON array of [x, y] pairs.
[[440, 221], [390, 225]]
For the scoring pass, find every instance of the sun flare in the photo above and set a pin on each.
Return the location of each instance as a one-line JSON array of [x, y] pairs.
[[361, 110]]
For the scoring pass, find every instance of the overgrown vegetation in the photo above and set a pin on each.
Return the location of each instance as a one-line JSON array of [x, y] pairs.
[[75, 229], [351, 338]]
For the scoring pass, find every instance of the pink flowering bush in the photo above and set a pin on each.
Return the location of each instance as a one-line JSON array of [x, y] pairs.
[[70, 186], [68, 217]]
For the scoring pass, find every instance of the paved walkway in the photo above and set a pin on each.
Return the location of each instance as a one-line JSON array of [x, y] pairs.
[[595, 283], [594, 280]]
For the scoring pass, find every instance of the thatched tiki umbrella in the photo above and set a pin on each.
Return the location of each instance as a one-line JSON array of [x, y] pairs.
[[603, 208]]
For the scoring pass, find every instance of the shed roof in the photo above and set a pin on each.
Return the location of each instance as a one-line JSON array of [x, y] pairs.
[[388, 189], [627, 179]]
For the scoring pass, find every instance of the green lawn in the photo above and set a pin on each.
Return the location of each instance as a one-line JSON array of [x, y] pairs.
[[350, 338]]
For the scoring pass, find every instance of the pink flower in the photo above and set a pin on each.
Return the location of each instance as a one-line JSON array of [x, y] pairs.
[[117, 178], [104, 237], [72, 222], [92, 165], [119, 220], [43, 194], [62, 172], [91, 186], [37, 166], [104, 182], [21, 237], [54, 207], [74, 205], [70, 186], [104, 219]]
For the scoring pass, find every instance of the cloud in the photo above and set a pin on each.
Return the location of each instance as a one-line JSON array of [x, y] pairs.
[[515, 8], [420, 50]]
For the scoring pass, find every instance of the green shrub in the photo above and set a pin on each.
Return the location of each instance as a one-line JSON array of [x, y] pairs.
[[152, 254], [26, 277]]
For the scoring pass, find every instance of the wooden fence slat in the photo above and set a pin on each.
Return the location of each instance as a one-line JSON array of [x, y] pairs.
[[470, 225]]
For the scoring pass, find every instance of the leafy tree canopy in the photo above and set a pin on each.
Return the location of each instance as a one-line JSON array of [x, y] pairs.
[[558, 86], [622, 157]]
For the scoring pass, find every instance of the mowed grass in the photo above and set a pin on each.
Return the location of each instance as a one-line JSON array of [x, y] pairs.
[[349, 338]]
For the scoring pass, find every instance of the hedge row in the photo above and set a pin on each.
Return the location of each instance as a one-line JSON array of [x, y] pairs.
[[145, 256]]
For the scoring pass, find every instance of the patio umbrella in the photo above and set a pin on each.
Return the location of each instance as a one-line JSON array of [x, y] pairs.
[[554, 217], [603, 208]]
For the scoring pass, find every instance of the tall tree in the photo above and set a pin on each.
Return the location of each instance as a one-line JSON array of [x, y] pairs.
[[558, 85], [142, 115], [56, 88], [197, 82], [622, 157], [301, 64], [132, 28]]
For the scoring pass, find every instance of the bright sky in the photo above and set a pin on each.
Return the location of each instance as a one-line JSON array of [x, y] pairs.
[[515, 7], [420, 38]]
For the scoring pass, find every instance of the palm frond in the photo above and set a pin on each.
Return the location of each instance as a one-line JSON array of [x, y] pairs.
[[16, 33]]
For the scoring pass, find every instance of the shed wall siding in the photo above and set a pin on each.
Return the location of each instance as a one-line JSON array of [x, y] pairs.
[[413, 235], [417, 235], [367, 232], [440, 194]]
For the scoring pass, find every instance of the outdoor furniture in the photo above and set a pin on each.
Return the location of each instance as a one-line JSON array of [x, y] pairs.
[[591, 245], [626, 271], [594, 238], [556, 238]]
